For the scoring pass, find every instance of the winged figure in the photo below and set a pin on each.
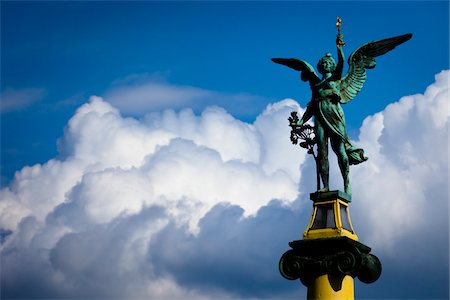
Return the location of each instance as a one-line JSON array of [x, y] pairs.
[[332, 90]]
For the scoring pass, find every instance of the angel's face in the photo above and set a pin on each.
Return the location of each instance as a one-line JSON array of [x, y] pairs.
[[326, 65]]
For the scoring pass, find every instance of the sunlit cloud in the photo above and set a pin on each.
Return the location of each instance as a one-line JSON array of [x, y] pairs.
[[179, 205]]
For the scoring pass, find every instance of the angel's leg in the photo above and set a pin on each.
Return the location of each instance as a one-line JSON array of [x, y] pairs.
[[339, 148], [322, 155]]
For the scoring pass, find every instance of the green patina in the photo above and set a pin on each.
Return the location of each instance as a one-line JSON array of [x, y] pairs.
[[328, 93], [330, 195]]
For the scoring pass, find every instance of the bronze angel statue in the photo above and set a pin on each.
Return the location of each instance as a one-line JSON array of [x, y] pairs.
[[332, 90]]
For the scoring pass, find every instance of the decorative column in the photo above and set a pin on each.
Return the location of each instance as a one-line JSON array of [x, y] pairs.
[[329, 256]]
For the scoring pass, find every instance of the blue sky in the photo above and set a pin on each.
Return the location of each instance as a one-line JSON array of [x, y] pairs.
[[188, 89], [67, 51]]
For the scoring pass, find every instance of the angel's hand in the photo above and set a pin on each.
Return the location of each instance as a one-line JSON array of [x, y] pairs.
[[340, 40]]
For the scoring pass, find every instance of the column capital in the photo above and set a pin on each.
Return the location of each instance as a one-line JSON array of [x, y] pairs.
[[339, 256]]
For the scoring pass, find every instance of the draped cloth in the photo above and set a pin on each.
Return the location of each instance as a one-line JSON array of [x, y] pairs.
[[331, 116]]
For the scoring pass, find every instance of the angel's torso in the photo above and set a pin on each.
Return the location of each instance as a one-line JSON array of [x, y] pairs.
[[327, 88]]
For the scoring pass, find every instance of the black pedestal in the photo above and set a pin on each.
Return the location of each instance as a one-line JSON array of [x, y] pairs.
[[339, 256]]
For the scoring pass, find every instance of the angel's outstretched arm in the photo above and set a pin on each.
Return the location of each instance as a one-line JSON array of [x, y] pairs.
[[307, 72], [340, 62]]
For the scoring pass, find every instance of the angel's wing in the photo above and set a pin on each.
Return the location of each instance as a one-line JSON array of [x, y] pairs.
[[364, 58], [307, 71]]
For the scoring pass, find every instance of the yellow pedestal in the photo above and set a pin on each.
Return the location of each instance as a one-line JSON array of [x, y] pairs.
[[330, 216], [329, 256], [328, 287]]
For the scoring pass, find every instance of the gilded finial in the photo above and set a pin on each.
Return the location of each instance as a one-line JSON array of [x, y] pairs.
[[338, 24], [339, 40]]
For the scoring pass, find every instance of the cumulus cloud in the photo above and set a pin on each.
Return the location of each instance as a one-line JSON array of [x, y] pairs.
[[408, 148], [115, 172], [179, 205], [17, 99]]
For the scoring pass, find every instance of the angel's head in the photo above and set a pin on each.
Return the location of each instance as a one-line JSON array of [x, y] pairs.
[[326, 64]]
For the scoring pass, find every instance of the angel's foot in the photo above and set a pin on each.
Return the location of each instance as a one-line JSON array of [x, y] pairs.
[[348, 190], [324, 189]]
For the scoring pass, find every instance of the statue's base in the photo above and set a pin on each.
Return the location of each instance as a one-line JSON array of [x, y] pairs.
[[329, 256], [338, 257], [330, 216], [323, 196]]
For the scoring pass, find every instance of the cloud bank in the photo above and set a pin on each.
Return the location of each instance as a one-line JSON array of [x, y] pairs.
[[183, 206]]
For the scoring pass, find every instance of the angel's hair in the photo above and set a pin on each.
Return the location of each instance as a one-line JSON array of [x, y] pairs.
[[326, 57]]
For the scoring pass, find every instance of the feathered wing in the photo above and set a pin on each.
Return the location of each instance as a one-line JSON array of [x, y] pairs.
[[307, 72], [364, 58]]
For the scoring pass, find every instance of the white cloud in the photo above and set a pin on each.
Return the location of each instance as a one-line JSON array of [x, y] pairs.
[[406, 178], [111, 170], [179, 205], [275, 133], [17, 99]]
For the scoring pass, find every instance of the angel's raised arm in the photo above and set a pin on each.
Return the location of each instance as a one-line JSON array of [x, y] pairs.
[[340, 63]]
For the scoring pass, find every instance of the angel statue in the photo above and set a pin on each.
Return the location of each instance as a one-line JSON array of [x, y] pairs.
[[332, 90]]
